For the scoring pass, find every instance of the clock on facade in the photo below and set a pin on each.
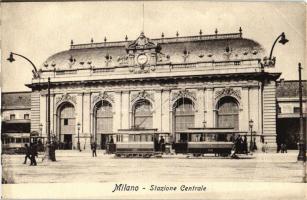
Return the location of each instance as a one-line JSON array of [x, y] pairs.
[[142, 59]]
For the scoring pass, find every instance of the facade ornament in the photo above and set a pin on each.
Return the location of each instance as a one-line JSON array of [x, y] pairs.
[[186, 55], [103, 96], [142, 95], [268, 63], [228, 92], [183, 94], [108, 59], [142, 42], [122, 60], [66, 97]]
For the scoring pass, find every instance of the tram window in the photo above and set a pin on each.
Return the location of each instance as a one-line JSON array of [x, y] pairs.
[[131, 137], [119, 138], [18, 140], [25, 140], [137, 138], [149, 138], [12, 116], [143, 138]]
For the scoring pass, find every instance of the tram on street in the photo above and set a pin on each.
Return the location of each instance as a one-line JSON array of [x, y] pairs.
[[140, 143], [200, 141]]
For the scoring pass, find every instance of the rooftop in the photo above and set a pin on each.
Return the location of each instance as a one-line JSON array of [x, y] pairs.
[[199, 48], [290, 88], [16, 100]]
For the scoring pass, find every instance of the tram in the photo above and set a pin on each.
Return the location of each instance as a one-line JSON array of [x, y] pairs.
[[199, 141], [140, 143]]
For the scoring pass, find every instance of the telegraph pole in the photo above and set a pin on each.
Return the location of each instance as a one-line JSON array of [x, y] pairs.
[[302, 142], [50, 148]]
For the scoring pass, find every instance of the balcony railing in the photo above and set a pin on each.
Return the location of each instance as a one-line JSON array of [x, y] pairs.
[[249, 65], [160, 40]]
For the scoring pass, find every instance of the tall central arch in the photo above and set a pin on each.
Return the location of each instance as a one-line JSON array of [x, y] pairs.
[[142, 114], [184, 116], [66, 124], [228, 113], [103, 118]]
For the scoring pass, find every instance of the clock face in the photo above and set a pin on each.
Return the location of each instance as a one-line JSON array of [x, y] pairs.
[[142, 59]]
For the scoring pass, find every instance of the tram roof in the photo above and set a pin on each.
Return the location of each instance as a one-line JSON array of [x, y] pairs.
[[140, 131], [211, 130]]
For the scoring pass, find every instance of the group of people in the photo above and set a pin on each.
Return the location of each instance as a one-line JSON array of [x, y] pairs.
[[241, 144], [31, 153], [282, 148], [159, 145]]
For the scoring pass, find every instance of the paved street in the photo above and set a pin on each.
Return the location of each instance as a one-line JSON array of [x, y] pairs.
[[73, 166]]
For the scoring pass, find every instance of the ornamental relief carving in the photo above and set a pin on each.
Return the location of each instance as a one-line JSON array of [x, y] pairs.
[[228, 92], [183, 94], [142, 95], [103, 96], [66, 97]]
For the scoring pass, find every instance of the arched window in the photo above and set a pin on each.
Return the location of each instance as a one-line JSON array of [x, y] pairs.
[[184, 114], [142, 113], [228, 113], [104, 117]]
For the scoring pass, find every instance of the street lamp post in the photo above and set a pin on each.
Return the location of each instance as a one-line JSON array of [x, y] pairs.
[[302, 142], [283, 40], [12, 59], [78, 144], [251, 146], [49, 148]]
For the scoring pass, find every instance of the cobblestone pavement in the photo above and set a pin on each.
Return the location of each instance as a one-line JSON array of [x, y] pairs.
[[73, 166]]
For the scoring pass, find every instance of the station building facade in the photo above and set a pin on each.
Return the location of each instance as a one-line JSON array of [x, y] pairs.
[[166, 84]]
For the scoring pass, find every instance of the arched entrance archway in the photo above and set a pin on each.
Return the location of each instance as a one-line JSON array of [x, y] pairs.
[[67, 124], [103, 122], [228, 113]]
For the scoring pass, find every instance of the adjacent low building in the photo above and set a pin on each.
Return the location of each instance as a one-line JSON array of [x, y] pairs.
[[288, 112], [16, 116]]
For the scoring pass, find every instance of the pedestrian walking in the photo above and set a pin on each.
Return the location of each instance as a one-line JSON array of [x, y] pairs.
[[161, 143], [254, 144], [28, 154], [33, 152], [264, 147], [245, 145], [94, 147]]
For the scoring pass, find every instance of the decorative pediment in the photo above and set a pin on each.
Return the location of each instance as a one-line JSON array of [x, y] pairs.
[[142, 42], [142, 95], [184, 94], [228, 92], [103, 96], [66, 97]]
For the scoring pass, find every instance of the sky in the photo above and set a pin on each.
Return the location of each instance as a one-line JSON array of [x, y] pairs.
[[38, 30]]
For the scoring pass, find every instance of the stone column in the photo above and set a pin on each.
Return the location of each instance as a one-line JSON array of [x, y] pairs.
[[87, 112], [244, 116], [199, 114], [125, 110], [117, 111], [157, 110], [165, 118], [210, 108], [43, 113]]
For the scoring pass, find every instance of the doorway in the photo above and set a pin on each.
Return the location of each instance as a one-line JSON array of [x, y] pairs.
[[68, 141], [104, 141]]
